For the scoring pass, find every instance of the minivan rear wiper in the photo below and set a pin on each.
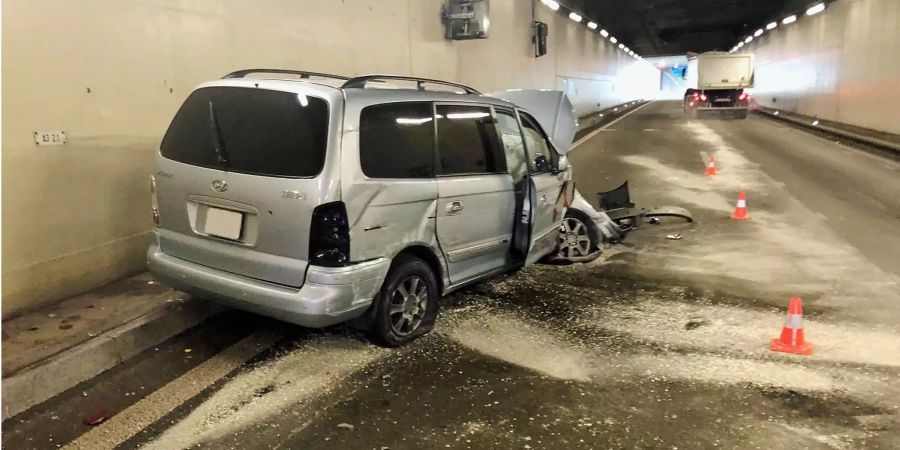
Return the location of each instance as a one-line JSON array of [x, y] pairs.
[[216, 135]]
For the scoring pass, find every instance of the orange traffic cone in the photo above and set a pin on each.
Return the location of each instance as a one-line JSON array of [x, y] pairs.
[[711, 166], [740, 211], [791, 340]]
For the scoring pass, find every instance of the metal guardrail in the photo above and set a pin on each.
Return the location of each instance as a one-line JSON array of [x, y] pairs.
[[590, 122]]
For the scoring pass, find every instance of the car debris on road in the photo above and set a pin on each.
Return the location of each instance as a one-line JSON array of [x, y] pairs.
[[615, 217]]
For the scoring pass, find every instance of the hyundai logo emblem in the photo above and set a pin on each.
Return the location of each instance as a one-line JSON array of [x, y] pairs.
[[219, 186]]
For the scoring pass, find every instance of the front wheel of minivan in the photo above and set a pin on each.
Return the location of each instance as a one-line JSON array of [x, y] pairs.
[[407, 304]]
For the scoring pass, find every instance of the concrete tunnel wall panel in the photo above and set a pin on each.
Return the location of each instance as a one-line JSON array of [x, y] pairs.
[[839, 65]]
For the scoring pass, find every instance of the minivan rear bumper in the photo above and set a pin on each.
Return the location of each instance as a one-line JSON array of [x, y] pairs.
[[329, 295]]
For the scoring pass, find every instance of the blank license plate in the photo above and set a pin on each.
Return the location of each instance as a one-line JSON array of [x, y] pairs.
[[223, 223]]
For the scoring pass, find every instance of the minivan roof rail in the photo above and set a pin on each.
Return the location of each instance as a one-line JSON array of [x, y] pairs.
[[303, 74], [360, 82]]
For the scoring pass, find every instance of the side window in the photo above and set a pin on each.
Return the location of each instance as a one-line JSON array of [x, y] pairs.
[[541, 157], [396, 140], [467, 141], [513, 145]]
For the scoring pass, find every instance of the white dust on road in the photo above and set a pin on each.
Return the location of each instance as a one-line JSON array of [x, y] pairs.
[[263, 392], [520, 341], [509, 339], [748, 332], [784, 246]]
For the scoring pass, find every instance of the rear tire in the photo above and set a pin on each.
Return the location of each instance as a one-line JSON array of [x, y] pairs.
[[407, 304], [742, 114]]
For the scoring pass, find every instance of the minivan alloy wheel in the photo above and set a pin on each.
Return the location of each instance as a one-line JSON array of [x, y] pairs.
[[574, 240], [409, 302]]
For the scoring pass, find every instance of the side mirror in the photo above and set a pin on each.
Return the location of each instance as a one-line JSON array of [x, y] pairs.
[[541, 164], [563, 163]]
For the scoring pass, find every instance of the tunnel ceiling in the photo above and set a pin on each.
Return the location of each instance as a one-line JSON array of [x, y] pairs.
[[671, 27]]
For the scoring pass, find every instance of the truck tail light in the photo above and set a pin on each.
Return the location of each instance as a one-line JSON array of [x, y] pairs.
[[702, 97], [329, 236], [154, 201], [744, 97]]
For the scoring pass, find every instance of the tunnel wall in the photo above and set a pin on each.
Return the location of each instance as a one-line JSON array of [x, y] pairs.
[[112, 73], [841, 65]]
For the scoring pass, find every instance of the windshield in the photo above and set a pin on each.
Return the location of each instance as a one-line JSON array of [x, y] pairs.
[[250, 130]]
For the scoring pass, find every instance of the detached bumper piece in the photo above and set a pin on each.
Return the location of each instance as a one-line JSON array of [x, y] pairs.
[[625, 216]]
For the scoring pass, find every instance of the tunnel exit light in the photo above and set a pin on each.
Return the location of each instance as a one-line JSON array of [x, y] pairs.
[[749, 38], [771, 25], [613, 40], [621, 46], [574, 16], [604, 33], [592, 25], [815, 9], [789, 19], [758, 32]]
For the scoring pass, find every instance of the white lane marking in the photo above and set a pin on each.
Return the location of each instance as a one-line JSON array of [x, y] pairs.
[[135, 418], [595, 132], [275, 393]]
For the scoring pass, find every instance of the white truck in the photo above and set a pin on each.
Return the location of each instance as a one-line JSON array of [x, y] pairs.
[[716, 82]]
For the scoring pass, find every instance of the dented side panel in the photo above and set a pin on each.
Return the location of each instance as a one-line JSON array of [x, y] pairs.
[[386, 215]]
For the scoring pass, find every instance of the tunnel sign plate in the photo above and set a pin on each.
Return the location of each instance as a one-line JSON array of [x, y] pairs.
[[50, 137]]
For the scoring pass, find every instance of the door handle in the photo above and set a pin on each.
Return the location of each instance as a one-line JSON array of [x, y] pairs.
[[543, 199], [454, 208]]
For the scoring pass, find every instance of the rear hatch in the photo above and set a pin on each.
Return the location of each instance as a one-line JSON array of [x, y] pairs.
[[240, 171]]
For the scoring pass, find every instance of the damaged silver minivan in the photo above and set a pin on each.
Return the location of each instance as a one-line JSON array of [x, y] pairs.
[[319, 199]]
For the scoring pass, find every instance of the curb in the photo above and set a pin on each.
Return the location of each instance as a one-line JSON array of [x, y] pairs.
[[52, 376], [890, 148]]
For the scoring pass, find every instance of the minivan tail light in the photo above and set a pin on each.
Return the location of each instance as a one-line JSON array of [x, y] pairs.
[[329, 236], [154, 200]]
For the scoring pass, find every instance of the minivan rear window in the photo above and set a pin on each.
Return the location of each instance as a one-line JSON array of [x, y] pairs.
[[249, 130]]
